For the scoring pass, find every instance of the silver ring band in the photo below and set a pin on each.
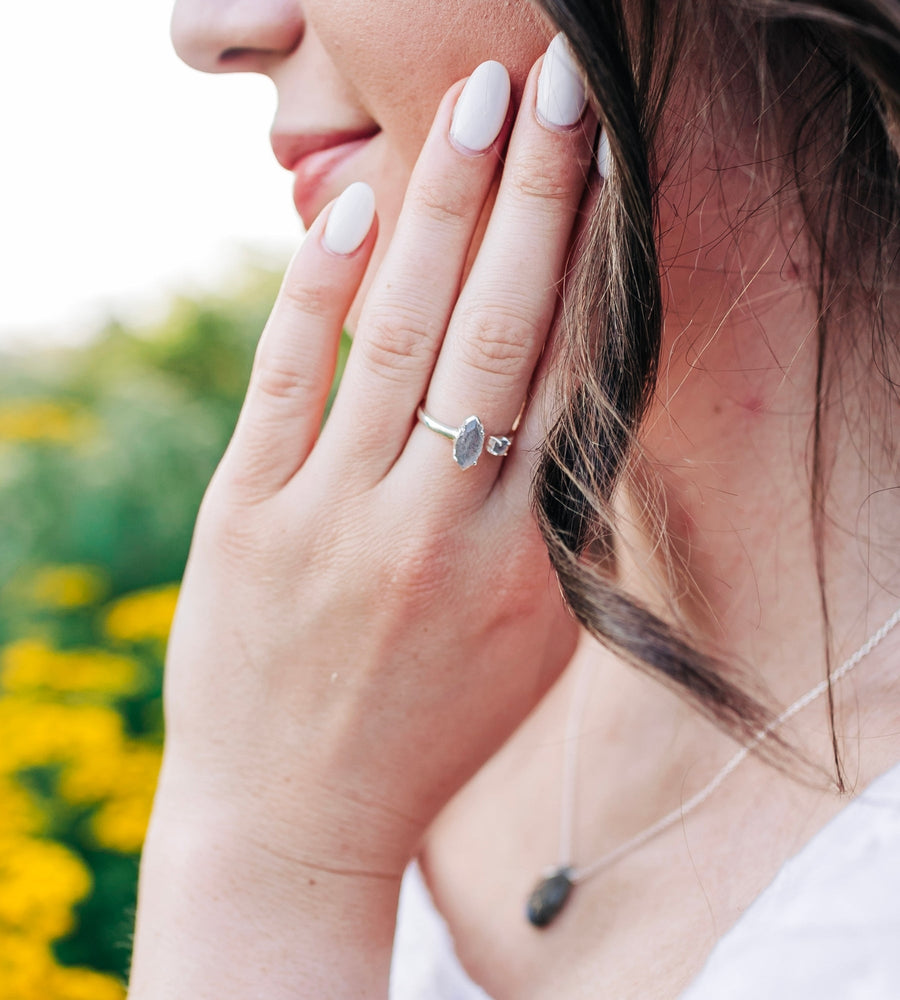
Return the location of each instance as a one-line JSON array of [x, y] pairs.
[[468, 439]]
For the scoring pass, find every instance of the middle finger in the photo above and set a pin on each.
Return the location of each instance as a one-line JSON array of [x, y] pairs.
[[409, 304]]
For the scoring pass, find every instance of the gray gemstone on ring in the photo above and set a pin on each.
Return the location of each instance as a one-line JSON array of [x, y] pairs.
[[469, 443], [498, 446]]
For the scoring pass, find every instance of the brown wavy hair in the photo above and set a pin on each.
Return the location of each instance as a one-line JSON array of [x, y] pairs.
[[826, 76]]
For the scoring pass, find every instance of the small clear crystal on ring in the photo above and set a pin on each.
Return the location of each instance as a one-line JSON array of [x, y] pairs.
[[469, 443], [498, 446]]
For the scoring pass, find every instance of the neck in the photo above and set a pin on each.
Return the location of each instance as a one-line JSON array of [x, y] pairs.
[[726, 477], [726, 526]]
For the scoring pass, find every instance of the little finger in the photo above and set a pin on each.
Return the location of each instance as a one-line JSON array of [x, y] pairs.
[[296, 357]]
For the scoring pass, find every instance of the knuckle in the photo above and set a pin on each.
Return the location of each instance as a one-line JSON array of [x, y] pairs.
[[249, 530], [442, 202], [538, 175], [246, 472], [496, 343], [280, 377], [225, 525], [305, 298], [392, 347]]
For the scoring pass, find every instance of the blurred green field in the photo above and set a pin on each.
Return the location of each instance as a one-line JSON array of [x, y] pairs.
[[105, 451]]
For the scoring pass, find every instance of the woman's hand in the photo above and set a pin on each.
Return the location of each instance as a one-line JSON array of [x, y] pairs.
[[362, 623]]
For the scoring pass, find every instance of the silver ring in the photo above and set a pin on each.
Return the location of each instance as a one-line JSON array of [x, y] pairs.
[[468, 439]]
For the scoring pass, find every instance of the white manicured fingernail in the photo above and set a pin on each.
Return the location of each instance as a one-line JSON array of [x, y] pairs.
[[560, 92], [481, 108], [604, 157], [350, 219]]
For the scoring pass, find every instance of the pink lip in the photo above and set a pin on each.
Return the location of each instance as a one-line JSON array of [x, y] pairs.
[[314, 176]]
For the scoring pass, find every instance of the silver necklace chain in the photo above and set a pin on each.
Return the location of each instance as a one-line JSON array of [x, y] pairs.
[[562, 878]]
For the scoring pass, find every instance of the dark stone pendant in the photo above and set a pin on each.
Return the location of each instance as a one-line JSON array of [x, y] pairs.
[[549, 897]]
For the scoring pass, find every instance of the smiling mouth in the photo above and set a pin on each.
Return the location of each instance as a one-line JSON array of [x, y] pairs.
[[317, 173]]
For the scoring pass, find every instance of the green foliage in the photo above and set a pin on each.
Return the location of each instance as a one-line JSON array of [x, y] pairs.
[[156, 408]]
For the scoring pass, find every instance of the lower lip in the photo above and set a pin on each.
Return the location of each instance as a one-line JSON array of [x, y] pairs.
[[313, 173]]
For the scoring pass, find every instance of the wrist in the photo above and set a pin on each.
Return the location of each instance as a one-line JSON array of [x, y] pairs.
[[284, 823], [226, 915]]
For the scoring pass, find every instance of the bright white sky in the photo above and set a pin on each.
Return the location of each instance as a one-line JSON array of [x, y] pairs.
[[124, 175]]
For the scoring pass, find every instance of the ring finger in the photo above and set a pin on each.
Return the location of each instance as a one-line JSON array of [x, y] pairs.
[[506, 308]]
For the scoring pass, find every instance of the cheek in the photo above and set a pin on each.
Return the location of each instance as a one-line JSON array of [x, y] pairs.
[[400, 56], [399, 59]]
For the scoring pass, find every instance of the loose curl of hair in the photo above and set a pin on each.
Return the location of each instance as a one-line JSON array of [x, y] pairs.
[[826, 76]]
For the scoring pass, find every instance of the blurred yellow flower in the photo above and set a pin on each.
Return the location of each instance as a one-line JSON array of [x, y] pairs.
[[26, 966], [28, 971], [40, 882], [44, 421], [124, 783], [65, 586], [36, 733], [30, 664], [83, 984], [145, 614], [19, 813], [125, 772], [121, 823]]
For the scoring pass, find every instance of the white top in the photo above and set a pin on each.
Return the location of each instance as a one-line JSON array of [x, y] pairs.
[[828, 927]]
